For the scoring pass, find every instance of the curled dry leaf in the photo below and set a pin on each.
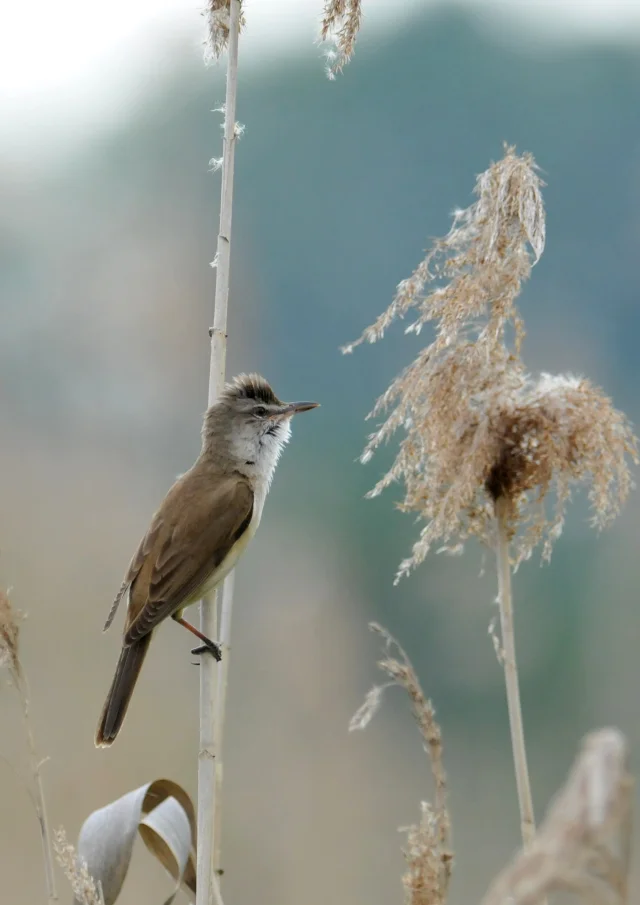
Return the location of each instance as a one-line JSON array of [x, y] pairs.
[[163, 814], [584, 842]]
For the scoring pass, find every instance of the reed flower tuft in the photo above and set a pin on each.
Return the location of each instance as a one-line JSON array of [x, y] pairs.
[[552, 433], [10, 619], [478, 268], [584, 843], [476, 430], [476, 426], [218, 19], [84, 887], [340, 25], [428, 854], [486, 446], [427, 865]]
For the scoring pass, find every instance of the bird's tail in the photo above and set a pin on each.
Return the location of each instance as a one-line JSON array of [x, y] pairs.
[[124, 681]]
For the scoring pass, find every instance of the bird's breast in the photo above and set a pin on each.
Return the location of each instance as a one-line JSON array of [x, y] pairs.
[[234, 554]]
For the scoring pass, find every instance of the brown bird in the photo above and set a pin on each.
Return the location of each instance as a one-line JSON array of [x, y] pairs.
[[201, 528]]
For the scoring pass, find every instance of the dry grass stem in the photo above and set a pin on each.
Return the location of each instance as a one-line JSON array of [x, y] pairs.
[[476, 425], [224, 639], [340, 25], [218, 13], [10, 659], [213, 703], [428, 853], [84, 888], [584, 842], [508, 658]]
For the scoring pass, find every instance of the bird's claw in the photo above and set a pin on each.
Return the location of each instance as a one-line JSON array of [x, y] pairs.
[[210, 648]]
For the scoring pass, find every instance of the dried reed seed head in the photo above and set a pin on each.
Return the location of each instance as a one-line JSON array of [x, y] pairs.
[[478, 428], [218, 13], [480, 264], [9, 635], [584, 841], [561, 429], [340, 25], [428, 853], [427, 864], [84, 887]]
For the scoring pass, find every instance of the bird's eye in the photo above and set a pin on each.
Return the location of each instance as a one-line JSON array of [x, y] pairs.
[[260, 411]]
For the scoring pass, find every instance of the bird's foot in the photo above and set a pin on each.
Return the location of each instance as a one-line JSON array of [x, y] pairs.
[[209, 647]]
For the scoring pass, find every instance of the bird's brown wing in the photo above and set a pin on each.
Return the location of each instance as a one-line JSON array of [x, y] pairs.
[[144, 548], [188, 548]]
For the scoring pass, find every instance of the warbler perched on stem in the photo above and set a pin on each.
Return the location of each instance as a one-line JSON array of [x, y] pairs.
[[201, 528]]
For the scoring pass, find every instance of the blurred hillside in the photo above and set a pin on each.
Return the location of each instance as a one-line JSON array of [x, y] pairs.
[[106, 301]]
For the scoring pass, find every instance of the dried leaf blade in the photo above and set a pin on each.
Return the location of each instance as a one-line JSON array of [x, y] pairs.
[[163, 814], [167, 834]]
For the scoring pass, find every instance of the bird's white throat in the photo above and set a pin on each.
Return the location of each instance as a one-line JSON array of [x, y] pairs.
[[270, 445]]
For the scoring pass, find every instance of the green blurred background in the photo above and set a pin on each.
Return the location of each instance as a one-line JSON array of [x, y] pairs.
[[106, 299]]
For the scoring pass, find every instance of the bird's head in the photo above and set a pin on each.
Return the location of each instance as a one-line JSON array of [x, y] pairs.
[[251, 422]]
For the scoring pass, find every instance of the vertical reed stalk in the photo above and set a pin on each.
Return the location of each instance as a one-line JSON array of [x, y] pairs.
[[210, 702], [527, 821], [39, 800], [226, 607]]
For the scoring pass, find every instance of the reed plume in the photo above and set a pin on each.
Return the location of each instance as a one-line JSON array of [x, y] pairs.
[[487, 449]]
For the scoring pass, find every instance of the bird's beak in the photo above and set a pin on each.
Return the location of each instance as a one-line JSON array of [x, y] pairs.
[[294, 408]]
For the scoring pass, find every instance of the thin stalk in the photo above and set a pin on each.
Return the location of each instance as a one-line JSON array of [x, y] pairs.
[[527, 820], [206, 757], [226, 610], [38, 795], [209, 724]]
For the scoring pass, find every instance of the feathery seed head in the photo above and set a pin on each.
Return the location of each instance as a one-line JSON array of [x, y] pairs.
[[426, 861], [477, 428], [583, 844], [480, 264], [340, 25], [218, 22], [428, 853], [85, 890], [555, 432]]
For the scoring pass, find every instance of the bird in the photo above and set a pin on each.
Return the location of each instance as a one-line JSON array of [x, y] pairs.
[[201, 528]]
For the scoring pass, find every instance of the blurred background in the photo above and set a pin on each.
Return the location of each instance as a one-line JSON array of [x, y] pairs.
[[107, 228]]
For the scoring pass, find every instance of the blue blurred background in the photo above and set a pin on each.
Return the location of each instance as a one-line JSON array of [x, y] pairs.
[[107, 228]]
